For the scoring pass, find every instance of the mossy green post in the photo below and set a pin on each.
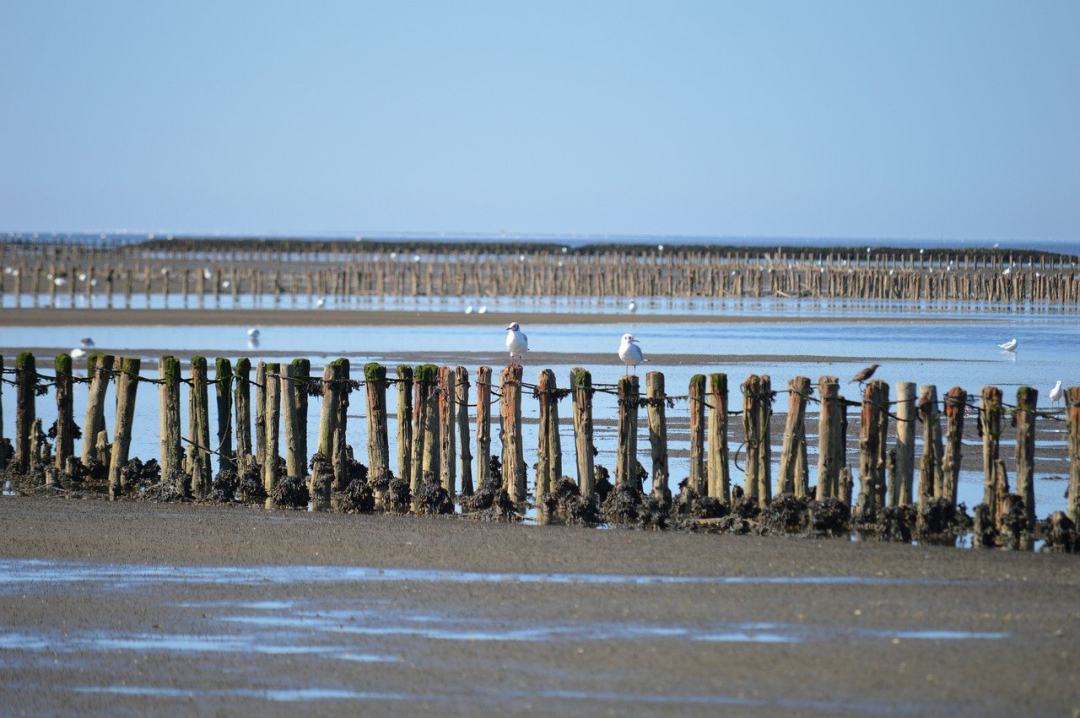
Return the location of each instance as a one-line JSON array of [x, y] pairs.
[[696, 403], [25, 409], [99, 370], [223, 377], [242, 384], [425, 454], [626, 438], [584, 452], [65, 420], [718, 473], [127, 385], [199, 429], [342, 389], [404, 422], [169, 400], [378, 435]]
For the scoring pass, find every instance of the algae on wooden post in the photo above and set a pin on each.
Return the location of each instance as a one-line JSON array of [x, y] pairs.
[[223, 384], [1027, 399], [99, 370], [990, 413], [513, 459], [25, 409], [955, 403], [272, 428], [404, 422], [462, 418], [626, 436], [696, 403], [717, 470], [169, 423], [901, 489], [830, 453], [378, 435], [127, 384], [242, 373], [199, 429], [658, 447], [65, 420]]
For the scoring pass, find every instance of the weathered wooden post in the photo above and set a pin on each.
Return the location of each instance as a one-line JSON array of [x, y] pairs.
[[933, 448], [626, 456], [169, 423], [25, 409], [99, 370], [462, 383], [830, 451], [794, 474], [199, 429], [242, 373], [328, 413], [127, 383], [719, 475], [260, 413], [272, 413], [696, 403], [658, 447], [301, 379], [223, 384], [4, 458], [447, 430], [342, 389], [65, 420], [404, 422], [513, 457], [549, 448], [873, 434], [378, 435], [990, 428], [1027, 399], [757, 409], [584, 454], [955, 403], [295, 457], [425, 457], [900, 490], [1072, 407]]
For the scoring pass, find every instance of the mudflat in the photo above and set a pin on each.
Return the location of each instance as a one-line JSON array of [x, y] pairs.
[[133, 608]]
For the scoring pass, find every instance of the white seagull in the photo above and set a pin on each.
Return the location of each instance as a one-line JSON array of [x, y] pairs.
[[1009, 346], [630, 353], [253, 333], [632, 306], [516, 341], [1056, 392], [78, 353], [320, 303]]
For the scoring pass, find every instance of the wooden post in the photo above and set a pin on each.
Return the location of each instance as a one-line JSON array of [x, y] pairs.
[[4, 458], [794, 478], [626, 456], [295, 458], [260, 413], [223, 384], [99, 370], [955, 402], [426, 434], [447, 393], [272, 412], [1027, 399], [169, 422], [549, 448], [127, 383], [65, 419], [873, 451], [830, 452], [900, 490], [696, 403], [584, 453], [342, 389], [327, 413], [990, 428], [933, 449], [25, 409], [199, 429], [300, 372], [404, 422], [242, 373], [513, 458], [654, 390], [378, 435], [462, 382], [719, 475], [757, 409], [1072, 404]]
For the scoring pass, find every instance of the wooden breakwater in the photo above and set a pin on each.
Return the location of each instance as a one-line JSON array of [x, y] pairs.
[[216, 273], [889, 490]]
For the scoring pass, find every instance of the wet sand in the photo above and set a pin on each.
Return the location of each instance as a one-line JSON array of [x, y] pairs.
[[739, 625], [394, 317]]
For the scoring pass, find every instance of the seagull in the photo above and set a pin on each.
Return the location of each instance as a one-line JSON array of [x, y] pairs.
[[630, 353], [320, 303], [1055, 393], [1009, 346], [516, 341], [632, 306], [253, 333], [78, 353], [864, 374], [482, 309], [86, 342], [469, 309]]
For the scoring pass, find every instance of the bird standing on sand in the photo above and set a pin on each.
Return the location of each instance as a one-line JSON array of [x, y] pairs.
[[516, 341], [1056, 392], [864, 374], [630, 353], [1009, 346], [78, 353]]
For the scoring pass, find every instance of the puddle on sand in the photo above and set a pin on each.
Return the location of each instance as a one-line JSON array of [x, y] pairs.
[[20, 572], [279, 695]]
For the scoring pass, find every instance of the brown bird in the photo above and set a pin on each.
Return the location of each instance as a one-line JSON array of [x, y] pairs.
[[864, 374]]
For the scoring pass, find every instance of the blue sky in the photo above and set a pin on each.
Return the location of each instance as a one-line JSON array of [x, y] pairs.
[[798, 119]]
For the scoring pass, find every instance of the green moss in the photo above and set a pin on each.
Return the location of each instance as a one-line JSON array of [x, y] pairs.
[[222, 368], [580, 378], [243, 368], [374, 371], [62, 363], [301, 367], [25, 361], [130, 366], [697, 381], [273, 368], [340, 363], [404, 372], [1027, 395], [427, 373], [718, 383], [198, 363], [170, 370]]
